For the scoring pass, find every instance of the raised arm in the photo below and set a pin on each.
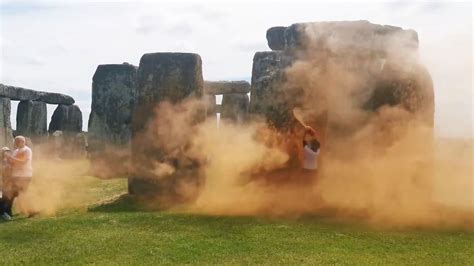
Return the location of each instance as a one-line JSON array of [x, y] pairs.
[[309, 130], [20, 158]]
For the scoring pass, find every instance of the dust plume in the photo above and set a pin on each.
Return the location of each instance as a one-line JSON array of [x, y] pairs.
[[401, 185], [371, 101], [57, 184], [379, 160], [235, 156]]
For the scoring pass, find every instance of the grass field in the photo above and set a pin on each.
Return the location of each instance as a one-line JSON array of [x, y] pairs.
[[118, 232]]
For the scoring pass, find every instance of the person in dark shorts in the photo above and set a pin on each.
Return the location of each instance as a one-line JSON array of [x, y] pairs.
[[20, 161]]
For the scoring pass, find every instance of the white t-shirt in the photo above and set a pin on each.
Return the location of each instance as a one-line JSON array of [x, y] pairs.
[[25, 169], [310, 158]]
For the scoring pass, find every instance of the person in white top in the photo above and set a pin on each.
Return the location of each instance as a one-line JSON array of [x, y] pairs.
[[21, 171], [311, 150]]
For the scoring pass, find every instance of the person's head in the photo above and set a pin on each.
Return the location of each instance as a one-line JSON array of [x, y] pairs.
[[315, 145], [20, 142]]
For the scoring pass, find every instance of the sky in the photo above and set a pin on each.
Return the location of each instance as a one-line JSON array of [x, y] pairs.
[[57, 45]]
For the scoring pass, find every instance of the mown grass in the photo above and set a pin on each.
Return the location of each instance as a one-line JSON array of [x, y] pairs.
[[120, 232]]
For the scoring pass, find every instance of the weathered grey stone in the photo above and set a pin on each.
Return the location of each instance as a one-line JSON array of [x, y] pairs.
[[110, 121], [113, 96], [295, 36], [66, 118], [269, 98], [340, 36], [172, 78], [210, 101], [6, 133], [276, 38], [79, 145], [31, 119], [55, 98], [363, 49], [235, 106], [359, 46], [56, 141], [222, 87], [169, 77], [412, 90], [22, 94]]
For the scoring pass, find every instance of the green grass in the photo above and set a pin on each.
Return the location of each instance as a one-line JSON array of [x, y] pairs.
[[120, 232]]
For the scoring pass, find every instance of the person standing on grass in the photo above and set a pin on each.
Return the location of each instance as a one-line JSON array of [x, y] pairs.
[[21, 172], [311, 150]]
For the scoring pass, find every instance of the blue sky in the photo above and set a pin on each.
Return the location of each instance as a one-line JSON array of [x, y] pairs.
[[57, 45]]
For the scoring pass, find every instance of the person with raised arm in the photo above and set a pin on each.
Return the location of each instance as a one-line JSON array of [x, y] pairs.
[[311, 149], [21, 172]]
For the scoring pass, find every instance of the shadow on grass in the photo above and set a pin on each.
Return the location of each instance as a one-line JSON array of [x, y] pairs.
[[124, 203]]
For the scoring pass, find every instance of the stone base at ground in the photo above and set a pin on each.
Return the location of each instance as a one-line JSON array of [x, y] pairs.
[[235, 106], [168, 87]]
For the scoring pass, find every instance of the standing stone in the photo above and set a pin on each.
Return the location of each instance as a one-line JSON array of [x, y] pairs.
[[80, 145], [110, 120], [57, 141], [235, 106], [31, 119], [211, 106], [66, 118], [6, 133], [269, 98], [113, 95], [157, 147], [411, 90]]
